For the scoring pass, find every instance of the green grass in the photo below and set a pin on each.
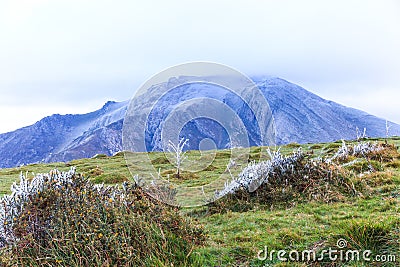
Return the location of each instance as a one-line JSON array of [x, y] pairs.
[[368, 221], [300, 227]]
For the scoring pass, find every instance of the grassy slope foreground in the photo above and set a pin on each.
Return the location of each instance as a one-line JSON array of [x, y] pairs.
[[239, 226]]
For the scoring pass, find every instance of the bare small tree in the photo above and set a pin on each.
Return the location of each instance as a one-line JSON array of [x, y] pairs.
[[177, 152], [229, 166], [387, 131], [359, 135]]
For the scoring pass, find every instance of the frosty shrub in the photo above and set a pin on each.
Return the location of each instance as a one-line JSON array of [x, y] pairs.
[[256, 174], [360, 149], [12, 205], [364, 156], [283, 179], [62, 219]]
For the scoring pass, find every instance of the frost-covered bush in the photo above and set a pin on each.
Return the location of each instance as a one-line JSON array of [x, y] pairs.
[[283, 179], [12, 205], [63, 219], [364, 148], [342, 153], [256, 174], [299, 176], [361, 149]]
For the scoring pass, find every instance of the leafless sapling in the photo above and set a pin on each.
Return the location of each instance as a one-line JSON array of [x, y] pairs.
[[177, 152]]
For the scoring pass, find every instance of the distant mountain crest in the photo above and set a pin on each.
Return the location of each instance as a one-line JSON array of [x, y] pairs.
[[300, 116]]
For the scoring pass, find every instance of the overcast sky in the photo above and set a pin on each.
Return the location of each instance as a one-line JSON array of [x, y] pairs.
[[67, 56]]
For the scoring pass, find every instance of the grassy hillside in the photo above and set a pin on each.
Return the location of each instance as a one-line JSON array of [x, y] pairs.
[[235, 233]]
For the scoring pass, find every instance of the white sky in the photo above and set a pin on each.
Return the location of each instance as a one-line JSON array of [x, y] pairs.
[[71, 56]]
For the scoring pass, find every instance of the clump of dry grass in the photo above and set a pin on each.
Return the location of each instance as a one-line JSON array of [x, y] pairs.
[[387, 154]]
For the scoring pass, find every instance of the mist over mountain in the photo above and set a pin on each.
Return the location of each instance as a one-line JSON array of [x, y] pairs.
[[299, 116]]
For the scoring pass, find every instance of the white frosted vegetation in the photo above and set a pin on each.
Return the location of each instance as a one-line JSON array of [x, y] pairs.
[[357, 150], [12, 205], [179, 156], [256, 174]]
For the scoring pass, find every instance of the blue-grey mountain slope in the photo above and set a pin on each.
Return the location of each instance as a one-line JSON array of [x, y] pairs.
[[303, 117], [299, 116], [64, 137]]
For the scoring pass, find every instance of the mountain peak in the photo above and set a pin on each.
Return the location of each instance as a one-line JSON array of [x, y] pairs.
[[108, 104], [299, 115]]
